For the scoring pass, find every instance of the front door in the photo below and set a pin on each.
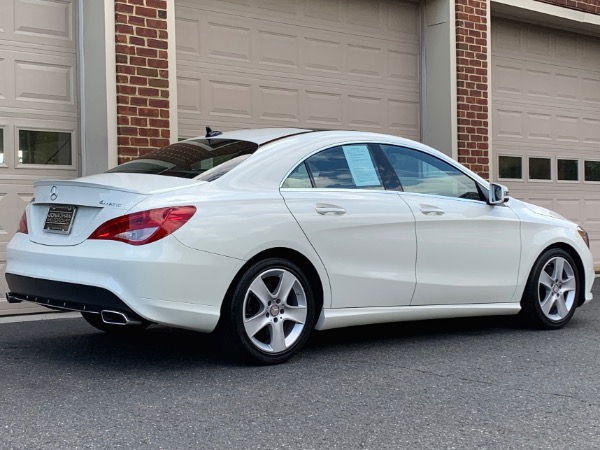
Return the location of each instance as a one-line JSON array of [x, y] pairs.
[[468, 251]]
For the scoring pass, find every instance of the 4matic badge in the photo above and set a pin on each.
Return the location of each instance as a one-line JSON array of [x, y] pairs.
[[116, 205]]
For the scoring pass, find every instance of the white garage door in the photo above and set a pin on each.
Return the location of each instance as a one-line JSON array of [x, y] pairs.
[[298, 63], [546, 119], [38, 107]]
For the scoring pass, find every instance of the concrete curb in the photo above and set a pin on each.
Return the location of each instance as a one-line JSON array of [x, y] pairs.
[[37, 317]]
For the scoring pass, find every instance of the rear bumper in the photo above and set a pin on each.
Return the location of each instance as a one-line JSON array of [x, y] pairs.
[[64, 296], [164, 282]]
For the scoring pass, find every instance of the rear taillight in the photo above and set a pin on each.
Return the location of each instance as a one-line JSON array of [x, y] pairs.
[[23, 224], [144, 227]]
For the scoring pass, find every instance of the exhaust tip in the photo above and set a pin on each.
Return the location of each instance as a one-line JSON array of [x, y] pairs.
[[117, 318]]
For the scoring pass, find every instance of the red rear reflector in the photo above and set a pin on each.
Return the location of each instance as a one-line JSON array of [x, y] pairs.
[[144, 227], [23, 224]]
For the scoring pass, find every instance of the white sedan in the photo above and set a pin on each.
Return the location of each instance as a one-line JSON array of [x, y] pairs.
[[265, 235]]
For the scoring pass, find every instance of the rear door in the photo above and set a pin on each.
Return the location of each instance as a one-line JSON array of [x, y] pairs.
[[468, 251], [364, 235]]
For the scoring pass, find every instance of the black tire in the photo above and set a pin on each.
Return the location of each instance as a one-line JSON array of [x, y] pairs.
[[278, 322], [547, 291], [96, 321]]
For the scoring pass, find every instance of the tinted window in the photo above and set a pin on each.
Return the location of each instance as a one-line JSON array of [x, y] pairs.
[[298, 179], [45, 147], [592, 170], [422, 173], [510, 167], [567, 169], [344, 167], [540, 168], [206, 159]]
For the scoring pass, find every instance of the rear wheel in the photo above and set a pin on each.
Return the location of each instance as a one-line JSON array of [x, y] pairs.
[[270, 315], [96, 321], [551, 294]]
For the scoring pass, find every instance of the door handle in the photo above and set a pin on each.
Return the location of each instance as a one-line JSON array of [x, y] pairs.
[[429, 210], [330, 209]]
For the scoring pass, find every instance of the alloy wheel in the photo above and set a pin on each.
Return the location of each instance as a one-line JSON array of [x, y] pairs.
[[275, 310], [557, 288]]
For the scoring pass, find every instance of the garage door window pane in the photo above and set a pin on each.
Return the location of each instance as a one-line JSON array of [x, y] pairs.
[[539, 169], [510, 167], [592, 170], [568, 169], [1, 146], [45, 148]]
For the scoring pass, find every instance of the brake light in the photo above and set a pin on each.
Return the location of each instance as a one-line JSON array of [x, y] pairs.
[[144, 227], [23, 224]]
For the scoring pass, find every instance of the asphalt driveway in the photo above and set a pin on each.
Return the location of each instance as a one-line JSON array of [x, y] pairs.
[[476, 383]]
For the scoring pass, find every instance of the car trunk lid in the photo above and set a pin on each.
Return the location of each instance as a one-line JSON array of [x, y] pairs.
[[66, 212]]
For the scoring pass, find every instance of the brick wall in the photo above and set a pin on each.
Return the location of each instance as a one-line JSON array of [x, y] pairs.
[[142, 76], [472, 85], [590, 6]]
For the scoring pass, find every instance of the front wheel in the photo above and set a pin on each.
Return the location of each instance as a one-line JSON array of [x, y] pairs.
[[271, 313], [551, 294]]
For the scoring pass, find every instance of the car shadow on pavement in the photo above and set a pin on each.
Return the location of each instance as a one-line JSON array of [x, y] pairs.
[[415, 330], [163, 348]]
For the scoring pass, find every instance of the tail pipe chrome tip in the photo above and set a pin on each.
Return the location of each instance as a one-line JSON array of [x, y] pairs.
[[118, 318]]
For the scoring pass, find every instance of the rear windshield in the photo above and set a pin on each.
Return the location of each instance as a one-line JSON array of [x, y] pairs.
[[204, 159]]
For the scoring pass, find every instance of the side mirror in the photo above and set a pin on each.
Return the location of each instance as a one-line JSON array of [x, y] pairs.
[[498, 194]]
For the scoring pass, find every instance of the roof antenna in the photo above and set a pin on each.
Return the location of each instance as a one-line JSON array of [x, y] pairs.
[[210, 133]]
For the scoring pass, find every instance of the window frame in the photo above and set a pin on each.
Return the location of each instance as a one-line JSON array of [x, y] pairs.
[[483, 192], [74, 149], [379, 167], [583, 170], [553, 171], [389, 178], [579, 169], [3, 134], [523, 168]]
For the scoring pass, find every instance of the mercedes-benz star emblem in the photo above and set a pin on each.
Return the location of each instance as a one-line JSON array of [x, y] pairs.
[[53, 193]]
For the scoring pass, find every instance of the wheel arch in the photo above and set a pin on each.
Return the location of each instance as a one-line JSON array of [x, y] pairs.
[[291, 255], [578, 262]]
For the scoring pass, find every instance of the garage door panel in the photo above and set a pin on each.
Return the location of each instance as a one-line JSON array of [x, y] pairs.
[[213, 99], [545, 84], [521, 122], [295, 50], [38, 108], [38, 82], [381, 18], [43, 22]]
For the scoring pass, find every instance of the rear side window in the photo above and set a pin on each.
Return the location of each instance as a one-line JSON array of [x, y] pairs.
[[204, 159], [342, 167], [422, 173]]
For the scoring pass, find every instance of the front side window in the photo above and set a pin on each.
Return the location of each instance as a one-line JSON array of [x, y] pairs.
[[422, 173], [342, 167], [204, 159]]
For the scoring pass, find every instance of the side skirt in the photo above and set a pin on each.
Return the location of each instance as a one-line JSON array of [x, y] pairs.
[[348, 317]]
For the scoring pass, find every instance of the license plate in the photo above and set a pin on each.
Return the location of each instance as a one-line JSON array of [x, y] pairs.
[[60, 219]]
